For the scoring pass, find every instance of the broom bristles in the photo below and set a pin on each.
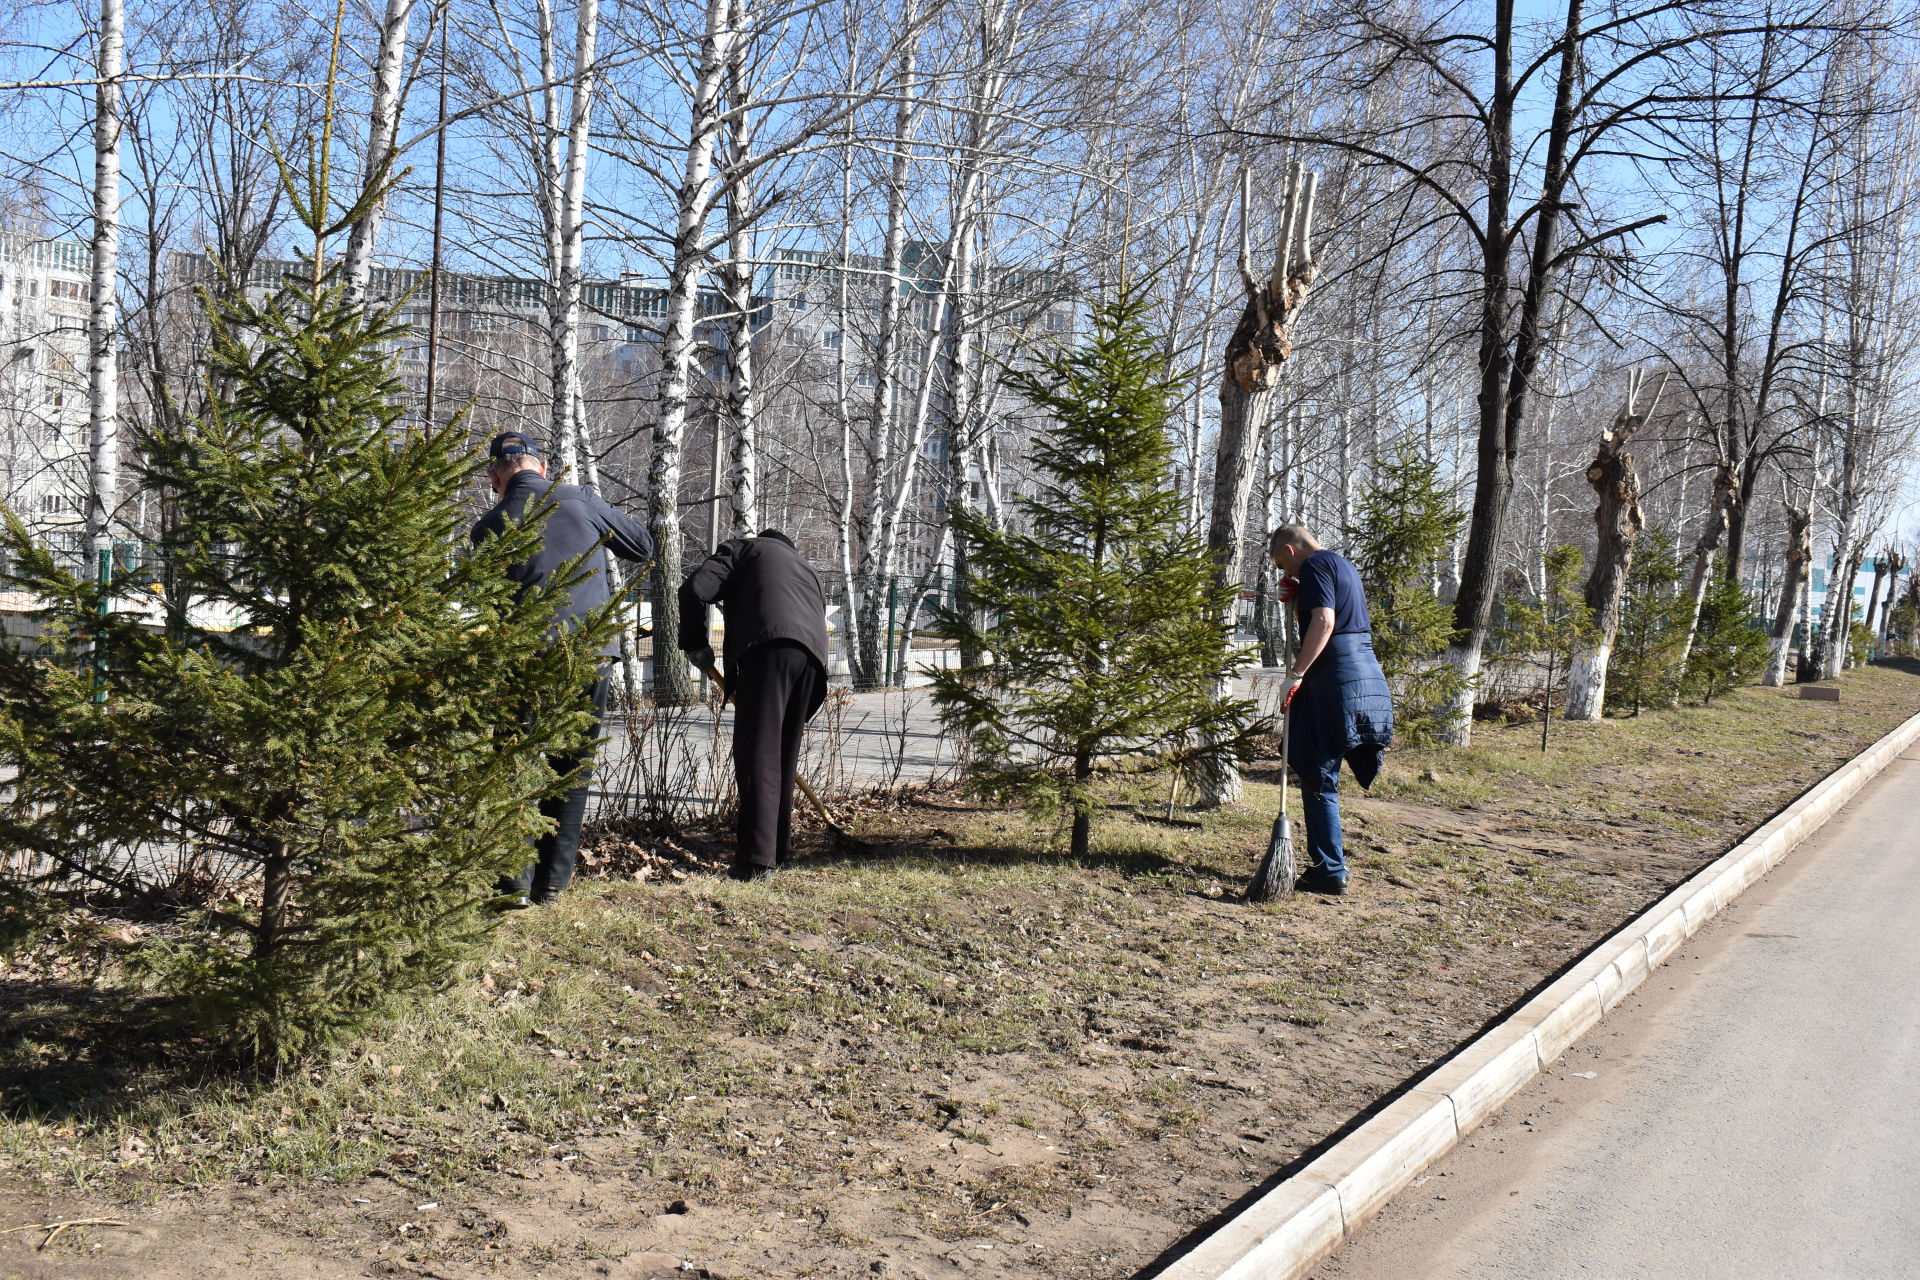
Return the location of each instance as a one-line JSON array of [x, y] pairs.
[[1278, 869]]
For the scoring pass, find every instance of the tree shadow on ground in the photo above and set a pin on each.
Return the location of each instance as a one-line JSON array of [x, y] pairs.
[[933, 846], [73, 1051]]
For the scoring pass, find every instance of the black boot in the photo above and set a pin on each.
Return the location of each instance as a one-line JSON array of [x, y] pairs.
[[1316, 880]]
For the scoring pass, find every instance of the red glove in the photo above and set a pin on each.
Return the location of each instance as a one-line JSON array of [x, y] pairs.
[[1287, 691], [1289, 588]]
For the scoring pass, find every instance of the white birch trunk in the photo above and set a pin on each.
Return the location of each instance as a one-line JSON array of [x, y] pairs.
[[1838, 624], [957, 344], [887, 493], [383, 126], [698, 189], [737, 282], [103, 327], [569, 425], [743, 468], [845, 518], [1587, 680]]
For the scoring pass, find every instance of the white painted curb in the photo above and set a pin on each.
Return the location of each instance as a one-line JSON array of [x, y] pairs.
[[1284, 1233]]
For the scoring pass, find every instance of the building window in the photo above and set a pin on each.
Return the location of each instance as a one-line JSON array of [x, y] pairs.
[[831, 339], [798, 302]]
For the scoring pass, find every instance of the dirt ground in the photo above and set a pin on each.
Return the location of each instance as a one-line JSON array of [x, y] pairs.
[[943, 1051]]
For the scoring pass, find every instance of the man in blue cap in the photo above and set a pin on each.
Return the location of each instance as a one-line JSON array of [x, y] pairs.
[[1341, 708], [579, 523]]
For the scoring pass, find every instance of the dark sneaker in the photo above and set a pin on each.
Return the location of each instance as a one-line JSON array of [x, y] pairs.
[[1321, 882], [749, 873], [512, 902], [546, 899]]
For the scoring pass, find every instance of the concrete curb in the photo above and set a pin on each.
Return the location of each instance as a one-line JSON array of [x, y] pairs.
[[1284, 1233]]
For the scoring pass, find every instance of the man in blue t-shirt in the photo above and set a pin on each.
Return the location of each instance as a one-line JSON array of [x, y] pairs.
[[1339, 705]]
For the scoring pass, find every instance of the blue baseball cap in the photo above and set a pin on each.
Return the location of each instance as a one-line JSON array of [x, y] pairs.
[[511, 444]]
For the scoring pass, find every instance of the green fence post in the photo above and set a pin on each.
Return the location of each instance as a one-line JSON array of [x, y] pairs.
[[100, 636], [893, 601]]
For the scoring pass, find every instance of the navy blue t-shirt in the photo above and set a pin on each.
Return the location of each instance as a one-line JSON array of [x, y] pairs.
[[1328, 580]]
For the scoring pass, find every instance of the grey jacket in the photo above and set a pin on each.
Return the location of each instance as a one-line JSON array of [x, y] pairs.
[[581, 521]]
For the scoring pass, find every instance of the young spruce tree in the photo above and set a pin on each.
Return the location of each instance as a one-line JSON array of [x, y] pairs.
[[1644, 669], [353, 718], [1730, 646], [1407, 519], [1098, 630], [1547, 632]]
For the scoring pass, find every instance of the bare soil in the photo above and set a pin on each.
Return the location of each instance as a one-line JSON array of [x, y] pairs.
[[945, 1050]]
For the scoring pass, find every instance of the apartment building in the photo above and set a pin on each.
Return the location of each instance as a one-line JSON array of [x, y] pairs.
[[45, 290]]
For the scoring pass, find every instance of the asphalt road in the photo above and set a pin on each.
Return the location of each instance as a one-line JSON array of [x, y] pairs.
[[1752, 1112]]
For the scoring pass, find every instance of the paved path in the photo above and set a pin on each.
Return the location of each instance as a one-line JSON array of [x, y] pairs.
[[1753, 1111]]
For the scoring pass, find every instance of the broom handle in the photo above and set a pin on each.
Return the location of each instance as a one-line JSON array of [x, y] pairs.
[[1286, 722], [1286, 726]]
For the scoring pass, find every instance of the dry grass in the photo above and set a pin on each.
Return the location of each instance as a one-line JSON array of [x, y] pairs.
[[957, 1019]]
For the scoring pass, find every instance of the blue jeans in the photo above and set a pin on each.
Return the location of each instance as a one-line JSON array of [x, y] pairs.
[[1320, 812]]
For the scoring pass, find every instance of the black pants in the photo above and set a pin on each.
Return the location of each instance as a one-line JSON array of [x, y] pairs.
[[776, 689], [559, 848]]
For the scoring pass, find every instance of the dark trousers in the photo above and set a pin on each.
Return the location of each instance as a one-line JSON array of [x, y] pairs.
[[557, 851], [777, 686]]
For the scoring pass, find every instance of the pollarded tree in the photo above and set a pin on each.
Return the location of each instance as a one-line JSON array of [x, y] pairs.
[[349, 723], [1099, 630], [1405, 521]]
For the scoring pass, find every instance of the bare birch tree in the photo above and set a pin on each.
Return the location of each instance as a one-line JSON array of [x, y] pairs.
[[103, 326]]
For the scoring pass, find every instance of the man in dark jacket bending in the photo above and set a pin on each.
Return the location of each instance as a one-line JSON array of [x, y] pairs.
[[1341, 709], [580, 522], [776, 672]]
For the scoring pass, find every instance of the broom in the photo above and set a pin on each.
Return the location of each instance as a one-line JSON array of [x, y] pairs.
[[1278, 869]]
